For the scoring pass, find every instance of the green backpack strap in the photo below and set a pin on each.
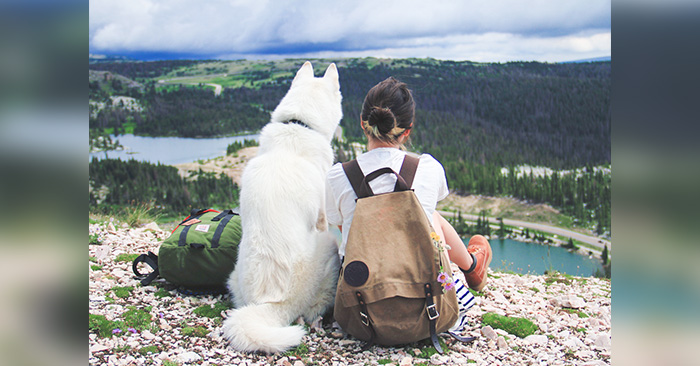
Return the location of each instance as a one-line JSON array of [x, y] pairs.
[[152, 260], [225, 217]]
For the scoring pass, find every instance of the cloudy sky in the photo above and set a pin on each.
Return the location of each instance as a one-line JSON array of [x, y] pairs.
[[486, 31]]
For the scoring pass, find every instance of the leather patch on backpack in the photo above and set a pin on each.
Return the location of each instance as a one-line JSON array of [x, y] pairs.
[[356, 273]]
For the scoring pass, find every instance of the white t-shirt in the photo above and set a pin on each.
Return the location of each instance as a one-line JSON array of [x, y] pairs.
[[429, 185]]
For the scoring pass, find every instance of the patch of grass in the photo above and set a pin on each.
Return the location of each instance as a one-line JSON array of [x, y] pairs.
[[534, 289], [94, 239], [92, 259], [384, 361], [122, 292], [141, 213], [492, 276], [214, 311], [162, 293], [124, 257], [170, 363], [124, 348], [148, 349], [298, 351], [198, 331], [520, 327], [581, 330], [580, 313], [95, 267]]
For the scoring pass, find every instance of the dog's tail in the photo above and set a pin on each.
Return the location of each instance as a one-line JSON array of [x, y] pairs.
[[261, 328]]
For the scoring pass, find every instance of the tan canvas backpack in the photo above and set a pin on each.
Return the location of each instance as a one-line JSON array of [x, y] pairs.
[[388, 291]]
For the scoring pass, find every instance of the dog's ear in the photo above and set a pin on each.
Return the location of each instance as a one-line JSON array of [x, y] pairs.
[[306, 71], [332, 74]]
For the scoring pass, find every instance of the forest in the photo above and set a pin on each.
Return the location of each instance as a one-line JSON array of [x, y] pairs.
[[475, 118]]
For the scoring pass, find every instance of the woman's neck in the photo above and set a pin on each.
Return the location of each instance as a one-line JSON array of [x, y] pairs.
[[375, 144]]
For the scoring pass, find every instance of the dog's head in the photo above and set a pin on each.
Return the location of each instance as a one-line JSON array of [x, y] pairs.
[[314, 101]]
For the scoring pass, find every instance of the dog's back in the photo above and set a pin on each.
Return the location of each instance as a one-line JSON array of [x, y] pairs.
[[284, 267]]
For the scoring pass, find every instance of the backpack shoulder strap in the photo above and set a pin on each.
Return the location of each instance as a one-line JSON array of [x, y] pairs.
[[408, 170], [354, 174]]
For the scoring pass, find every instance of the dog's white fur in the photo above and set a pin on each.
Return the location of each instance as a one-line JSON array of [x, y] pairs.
[[287, 260]]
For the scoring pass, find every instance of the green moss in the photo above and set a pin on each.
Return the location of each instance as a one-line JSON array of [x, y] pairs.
[[384, 361], [428, 350], [148, 349], [212, 311], [580, 313], [122, 292], [520, 327], [162, 293], [198, 331], [534, 289], [298, 351], [96, 267], [170, 363], [125, 257]]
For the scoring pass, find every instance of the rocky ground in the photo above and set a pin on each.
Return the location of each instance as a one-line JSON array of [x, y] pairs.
[[164, 327]]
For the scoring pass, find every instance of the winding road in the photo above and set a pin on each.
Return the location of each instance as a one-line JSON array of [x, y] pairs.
[[592, 240]]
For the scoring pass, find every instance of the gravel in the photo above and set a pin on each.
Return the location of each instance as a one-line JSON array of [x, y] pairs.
[[573, 316]]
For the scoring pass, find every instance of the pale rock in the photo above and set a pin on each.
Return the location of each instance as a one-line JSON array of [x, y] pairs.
[[111, 228], [573, 343], [538, 339], [543, 327], [98, 348], [298, 363], [336, 335], [188, 357], [406, 361], [602, 340], [164, 324], [438, 359], [102, 252], [488, 332], [498, 297], [502, 343], [347, 342], [568, 301], [416, 351], [151, 226], [147, 335]]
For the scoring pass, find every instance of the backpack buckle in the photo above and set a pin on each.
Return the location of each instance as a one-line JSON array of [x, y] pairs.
[[432, 312], [364, 319]]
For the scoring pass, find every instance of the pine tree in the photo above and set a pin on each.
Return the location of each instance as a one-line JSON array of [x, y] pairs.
[[604, 255]]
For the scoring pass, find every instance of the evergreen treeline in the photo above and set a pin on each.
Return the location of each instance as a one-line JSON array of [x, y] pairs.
[[142, 69], [475, 118], [134, 182]]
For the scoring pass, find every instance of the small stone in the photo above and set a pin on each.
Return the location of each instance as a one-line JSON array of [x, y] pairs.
[[568, 301], [438, 359], [347, 342], [147, 335], [502, 343], [488, 332], [151, 226], [164, 324], [188, 357], [298, 363], [336, 335], [602, 340], [98, 348], [573, 343], [416, 351], [538, 339], [406, 361]]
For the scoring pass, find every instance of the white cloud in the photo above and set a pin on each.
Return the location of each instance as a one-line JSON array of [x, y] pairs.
[[406, 28]]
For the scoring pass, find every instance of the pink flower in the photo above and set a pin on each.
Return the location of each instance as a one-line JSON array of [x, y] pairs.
[[442, 277], [449, 286]]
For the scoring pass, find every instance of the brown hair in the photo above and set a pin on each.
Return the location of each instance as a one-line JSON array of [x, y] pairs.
[[388, 110]]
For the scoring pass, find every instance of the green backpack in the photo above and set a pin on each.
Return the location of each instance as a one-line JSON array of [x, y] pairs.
[[199, 255]]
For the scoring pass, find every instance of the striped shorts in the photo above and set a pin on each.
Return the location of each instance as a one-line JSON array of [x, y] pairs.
[[465, 301]]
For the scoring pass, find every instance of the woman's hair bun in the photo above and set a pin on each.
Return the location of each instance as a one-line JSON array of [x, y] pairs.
[[383, 118]]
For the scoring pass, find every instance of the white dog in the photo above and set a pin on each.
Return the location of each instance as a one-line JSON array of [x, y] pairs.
[[287, 260]]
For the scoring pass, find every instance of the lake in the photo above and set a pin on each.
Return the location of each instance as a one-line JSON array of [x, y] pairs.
[[533, 258], [508, 255], [170, 150]]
